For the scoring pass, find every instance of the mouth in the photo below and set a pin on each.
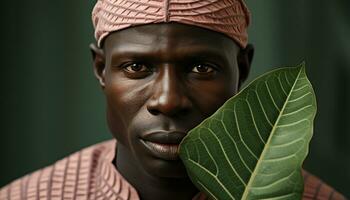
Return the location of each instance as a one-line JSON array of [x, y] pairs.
[[163, 144]]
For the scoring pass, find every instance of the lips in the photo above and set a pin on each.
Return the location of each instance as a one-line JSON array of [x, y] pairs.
[[163, 144]]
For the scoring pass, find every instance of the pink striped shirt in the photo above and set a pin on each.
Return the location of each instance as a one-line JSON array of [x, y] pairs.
[[90, 174]]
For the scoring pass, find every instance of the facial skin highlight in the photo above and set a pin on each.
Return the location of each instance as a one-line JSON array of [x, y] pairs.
[[160, 81]]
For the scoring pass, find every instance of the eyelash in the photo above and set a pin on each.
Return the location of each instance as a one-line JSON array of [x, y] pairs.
[[139, 64], [212, 68]]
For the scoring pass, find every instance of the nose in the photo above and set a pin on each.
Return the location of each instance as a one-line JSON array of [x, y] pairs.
[[168, 94]]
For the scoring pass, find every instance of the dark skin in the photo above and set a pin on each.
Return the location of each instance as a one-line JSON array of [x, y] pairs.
[[160, 81]]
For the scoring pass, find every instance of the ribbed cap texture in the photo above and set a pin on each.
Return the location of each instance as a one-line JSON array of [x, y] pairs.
[[230, 17]]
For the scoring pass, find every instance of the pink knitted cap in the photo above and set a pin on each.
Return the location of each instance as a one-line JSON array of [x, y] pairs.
[[230, 17]]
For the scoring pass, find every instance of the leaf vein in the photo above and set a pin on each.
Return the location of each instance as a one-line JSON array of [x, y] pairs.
[[235, 144], [299, 98], [207, 150], [245, 193], [296, 111], [273, 100], [279, 80], [300, 88], [279, 158], [291, 124], [288, 143], [227, 159], [276, 182], [253, 118], [240, 134], [263, 109], [215, 177], [208, 191], [285, 75]]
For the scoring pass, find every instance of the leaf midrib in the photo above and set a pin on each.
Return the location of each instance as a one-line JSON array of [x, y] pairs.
[[246, 191]]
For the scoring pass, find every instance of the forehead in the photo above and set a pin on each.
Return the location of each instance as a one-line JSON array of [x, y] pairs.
[[169, 40]]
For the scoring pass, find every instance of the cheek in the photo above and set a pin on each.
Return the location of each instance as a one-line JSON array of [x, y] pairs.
[[212, 99], [124, 101], [116, 117], [210, 96]]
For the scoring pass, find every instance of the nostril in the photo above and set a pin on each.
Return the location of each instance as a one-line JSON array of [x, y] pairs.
[[168, 108], [168, 102], [152, 106], [153, 111]]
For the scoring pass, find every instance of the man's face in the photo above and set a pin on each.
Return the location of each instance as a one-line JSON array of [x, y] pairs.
[[160, 81]]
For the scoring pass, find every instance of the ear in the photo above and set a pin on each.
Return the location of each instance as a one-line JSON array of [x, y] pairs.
[[99, 63], [244, 59]]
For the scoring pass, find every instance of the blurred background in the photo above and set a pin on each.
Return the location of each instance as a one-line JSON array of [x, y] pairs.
[[51, 104]]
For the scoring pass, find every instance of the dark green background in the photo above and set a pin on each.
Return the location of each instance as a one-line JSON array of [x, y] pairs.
[[51, 104]]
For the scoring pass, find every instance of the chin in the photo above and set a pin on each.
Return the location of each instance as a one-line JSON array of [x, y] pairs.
[[166, 169]]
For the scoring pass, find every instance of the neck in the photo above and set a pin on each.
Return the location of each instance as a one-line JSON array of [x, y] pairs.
[[148, 186]]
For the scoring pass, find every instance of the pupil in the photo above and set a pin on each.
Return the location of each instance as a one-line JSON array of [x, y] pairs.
[[202, 68], [136, 67]]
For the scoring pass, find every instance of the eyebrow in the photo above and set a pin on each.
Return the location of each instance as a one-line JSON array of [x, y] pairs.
[[194, 52]]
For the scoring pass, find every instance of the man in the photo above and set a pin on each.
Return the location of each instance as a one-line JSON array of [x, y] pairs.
[[164, 66]]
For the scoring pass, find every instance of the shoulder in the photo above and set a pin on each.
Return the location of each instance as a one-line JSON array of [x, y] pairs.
[[316, 189], [66, 178]]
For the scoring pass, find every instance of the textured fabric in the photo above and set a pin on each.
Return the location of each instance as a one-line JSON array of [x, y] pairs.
[[316, 189], [85, 175], [90, 175], [230, 17]]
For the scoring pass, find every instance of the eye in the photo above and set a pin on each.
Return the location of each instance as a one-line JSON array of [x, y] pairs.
[[202, 69], [136, 67]]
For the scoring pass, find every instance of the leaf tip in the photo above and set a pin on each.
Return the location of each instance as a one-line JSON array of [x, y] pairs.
[[302, 66]]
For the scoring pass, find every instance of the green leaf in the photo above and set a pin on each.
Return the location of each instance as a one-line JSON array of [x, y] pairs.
[[253, 147]]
